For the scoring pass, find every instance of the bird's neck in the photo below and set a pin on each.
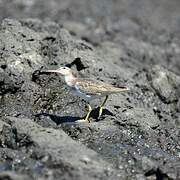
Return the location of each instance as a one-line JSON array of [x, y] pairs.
[[70, 80]]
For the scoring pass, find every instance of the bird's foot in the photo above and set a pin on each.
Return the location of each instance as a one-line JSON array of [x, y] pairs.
[[86, 119], [83, 120]]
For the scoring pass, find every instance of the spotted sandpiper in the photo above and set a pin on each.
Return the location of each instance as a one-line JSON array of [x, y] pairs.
[[88, 89]]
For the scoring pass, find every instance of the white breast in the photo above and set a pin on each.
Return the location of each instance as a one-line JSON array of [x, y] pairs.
[[80, 94]]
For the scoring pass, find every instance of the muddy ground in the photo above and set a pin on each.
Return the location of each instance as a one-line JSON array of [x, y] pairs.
[[133, 43]]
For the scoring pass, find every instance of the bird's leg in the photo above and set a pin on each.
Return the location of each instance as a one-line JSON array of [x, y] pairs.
[[89, 112], [101, 106]]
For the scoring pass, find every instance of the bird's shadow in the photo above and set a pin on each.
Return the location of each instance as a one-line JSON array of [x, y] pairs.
[[72, 119]]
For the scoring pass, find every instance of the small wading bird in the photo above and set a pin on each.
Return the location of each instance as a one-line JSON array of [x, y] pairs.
[[88, 89]]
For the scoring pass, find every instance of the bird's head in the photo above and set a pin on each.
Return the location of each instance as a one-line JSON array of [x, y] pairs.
[[62, 70]]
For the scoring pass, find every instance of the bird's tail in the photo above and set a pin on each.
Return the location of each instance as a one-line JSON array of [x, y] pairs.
[[119, 89]]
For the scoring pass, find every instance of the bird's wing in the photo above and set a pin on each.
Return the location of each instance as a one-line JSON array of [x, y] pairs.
[[93, 87]]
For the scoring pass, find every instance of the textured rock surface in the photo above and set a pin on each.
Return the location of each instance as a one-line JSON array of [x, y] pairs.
[[114, 41]]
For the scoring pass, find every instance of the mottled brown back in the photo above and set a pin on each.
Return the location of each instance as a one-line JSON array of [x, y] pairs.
[[95, 87]]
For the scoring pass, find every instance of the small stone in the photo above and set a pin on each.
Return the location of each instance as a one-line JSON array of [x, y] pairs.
[[142, 117], [165, 83], [148, 164]]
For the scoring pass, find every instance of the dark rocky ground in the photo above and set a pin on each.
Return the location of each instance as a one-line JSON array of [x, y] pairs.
[[136, 43]]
